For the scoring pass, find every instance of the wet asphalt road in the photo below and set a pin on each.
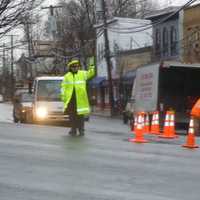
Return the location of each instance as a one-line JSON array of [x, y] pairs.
[[44, 163]]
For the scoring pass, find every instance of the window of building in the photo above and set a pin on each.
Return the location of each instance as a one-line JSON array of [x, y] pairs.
[[173, 41], [165, 42], [102, 51], [157, 42], [99, 52]]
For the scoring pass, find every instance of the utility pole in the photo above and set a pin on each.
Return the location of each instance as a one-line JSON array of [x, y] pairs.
[[12, 68], [107, 57], [51, 8], [53, 27], [4, 70], [4, 60], [52, 20], [11, 64], [29, 40]]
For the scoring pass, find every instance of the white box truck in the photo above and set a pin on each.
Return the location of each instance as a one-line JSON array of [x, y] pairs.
[[167, 85]]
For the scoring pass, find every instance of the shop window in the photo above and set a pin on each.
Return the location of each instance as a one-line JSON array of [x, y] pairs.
[[173, 41], [165, 42], [157, 42]]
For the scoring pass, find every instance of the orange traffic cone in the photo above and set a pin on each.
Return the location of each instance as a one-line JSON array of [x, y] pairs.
[[146, 124], [152, 123], [132, 124], [169, 126], [139, 138], [172, 125], [190, 141], [143, 121], [135, 123], [155, 127]]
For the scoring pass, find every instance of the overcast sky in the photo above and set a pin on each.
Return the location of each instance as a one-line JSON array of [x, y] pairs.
[[163, 3], [173, 2]]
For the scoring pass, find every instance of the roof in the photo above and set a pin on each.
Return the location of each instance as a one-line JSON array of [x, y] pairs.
[[131, 20], [49, 78], [169, 64], [96, 82], [164, 11], [192, 6], [131, 51]]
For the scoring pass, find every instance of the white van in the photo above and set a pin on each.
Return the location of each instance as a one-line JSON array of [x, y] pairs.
[[47, 104]]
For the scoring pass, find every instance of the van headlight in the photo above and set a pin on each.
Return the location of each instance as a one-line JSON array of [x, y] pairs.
[[41, 112]]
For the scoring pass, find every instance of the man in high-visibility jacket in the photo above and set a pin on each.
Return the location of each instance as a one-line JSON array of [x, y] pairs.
[[74, 95]]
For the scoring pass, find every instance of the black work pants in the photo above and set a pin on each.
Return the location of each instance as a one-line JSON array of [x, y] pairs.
[[76, 121]]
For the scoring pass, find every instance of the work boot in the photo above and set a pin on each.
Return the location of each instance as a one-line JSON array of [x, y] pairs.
[[81, 132], [72, 132]]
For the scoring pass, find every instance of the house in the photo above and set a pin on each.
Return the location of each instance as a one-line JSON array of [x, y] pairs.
[[166, 34], [120, 39], [124, 34], [127, 62], [190, 32]]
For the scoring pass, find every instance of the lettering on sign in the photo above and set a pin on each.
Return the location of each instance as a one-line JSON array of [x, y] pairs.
[[146, 85]]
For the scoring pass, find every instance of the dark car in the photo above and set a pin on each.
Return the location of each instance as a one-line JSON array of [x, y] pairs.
[[22, 107]]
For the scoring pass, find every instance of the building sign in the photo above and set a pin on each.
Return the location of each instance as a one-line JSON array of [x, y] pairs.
[[146, 88], [146, 85]]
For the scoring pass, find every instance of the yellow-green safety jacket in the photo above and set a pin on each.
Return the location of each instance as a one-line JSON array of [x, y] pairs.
[[78, 82]]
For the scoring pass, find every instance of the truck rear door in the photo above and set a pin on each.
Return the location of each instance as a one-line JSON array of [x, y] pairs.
[[146, 88]]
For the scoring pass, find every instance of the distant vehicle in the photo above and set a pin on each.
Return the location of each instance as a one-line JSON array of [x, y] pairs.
[[22, 107], [47, 104], [1, 98]]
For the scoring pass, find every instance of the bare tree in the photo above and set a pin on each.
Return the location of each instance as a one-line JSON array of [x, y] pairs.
[[132, 8], [75, 28], [11, 13], [75, 20]]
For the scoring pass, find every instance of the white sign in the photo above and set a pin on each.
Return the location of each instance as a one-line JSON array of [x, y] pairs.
[[147, 88]]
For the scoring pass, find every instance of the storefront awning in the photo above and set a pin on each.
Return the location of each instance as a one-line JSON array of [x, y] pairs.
[[129, 77], [97, 81]]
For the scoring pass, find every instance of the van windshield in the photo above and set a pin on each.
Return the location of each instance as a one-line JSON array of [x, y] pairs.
[[49, 90], [26, 97]]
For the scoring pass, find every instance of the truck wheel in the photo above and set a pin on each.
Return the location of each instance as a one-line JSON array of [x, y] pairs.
[[29, 118], [23, 120], [15, 119], [125, 118]]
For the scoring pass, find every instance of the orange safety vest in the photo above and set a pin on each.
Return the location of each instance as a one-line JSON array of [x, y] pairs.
[[195, 112]]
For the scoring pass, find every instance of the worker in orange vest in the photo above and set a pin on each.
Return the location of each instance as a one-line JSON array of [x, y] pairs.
[[195, 113]]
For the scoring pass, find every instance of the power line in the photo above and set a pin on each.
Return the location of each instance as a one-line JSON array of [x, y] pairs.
[[107, 57], [160, 20], [148, 26]]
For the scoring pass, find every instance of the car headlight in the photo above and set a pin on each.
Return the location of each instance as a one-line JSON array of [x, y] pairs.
[[41, 112]]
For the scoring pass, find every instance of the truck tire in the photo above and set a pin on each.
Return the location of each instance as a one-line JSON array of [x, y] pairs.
[[15, 119], [125, 118]]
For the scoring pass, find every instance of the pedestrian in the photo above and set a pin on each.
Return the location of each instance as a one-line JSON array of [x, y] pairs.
[[74, 94]]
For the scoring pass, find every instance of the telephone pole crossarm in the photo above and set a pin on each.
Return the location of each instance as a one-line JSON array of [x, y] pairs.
[[108, 61]]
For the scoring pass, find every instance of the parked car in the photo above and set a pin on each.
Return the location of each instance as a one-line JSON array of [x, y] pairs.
[[1, 98], [22, 107]]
